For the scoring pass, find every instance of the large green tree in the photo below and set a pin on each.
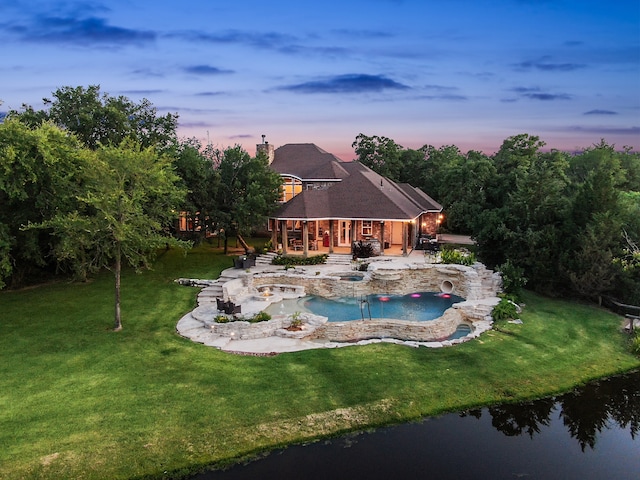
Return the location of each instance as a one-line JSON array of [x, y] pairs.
[[39, 177], [437, 162], [628, 261], [40, 151], [126, 207], [196, 168], [526, 207], [99, 119], [462, 189], [597, 219], [248, 192], [381, 154]]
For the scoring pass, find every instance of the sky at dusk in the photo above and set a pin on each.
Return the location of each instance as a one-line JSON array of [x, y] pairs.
[[440, 72]]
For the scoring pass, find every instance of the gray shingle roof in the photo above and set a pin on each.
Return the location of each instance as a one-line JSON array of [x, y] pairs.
[[308, 162], [361, 194]]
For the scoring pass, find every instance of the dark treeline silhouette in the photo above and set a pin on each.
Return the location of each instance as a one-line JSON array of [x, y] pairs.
[[586, 411]]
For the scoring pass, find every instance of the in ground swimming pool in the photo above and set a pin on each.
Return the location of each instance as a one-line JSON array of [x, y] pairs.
[[416, 307]]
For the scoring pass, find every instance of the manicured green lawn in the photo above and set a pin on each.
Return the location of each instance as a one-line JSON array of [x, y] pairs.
[[80, 401]]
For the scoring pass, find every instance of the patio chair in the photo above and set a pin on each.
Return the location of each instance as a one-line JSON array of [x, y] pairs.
[[231, 308], [220, 304]]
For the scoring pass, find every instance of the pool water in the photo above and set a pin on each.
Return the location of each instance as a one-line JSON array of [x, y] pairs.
[[461, 331], [417, 307]]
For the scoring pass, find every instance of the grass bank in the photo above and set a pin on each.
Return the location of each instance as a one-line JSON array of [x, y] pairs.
[[80, 401]]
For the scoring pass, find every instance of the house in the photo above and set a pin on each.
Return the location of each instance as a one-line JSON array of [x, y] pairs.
[[329, 204]]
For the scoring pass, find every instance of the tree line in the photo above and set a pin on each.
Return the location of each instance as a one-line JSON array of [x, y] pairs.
[[564, 223], [94, 181]]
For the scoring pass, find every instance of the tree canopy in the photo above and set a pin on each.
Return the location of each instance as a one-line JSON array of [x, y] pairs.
[[39, 176], [569, 222], [381, 154], [99, 119], [124, 213], [85, 185], [196, 167], [248, 191], [102, 176]]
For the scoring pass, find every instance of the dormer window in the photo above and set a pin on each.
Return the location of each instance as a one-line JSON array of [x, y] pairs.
[[291, 186]]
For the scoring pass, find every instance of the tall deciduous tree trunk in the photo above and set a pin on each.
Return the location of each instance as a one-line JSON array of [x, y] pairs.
[[118, 268]]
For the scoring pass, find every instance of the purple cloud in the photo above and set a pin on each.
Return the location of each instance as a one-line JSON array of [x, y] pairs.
[[600, 112], [206, 70], [87, 31], [535, 93], [350, 83]]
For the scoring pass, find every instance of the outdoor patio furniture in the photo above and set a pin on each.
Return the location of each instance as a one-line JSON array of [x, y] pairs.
[[232, 308], [220, 304], [229, 308], [244, 261]]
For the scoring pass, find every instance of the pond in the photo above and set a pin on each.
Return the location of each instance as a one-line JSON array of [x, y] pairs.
[[589, 433]]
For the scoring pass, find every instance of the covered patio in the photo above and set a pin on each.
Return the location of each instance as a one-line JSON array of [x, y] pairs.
[[384, 237]]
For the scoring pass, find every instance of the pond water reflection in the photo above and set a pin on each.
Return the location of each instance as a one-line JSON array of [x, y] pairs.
[[590, 433]]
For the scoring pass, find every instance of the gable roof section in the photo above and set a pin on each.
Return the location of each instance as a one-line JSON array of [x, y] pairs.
[[308, 162], [362, 195], [429, 204], [310, 204]]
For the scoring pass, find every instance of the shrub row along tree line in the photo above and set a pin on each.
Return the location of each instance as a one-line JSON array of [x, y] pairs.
[[566, 223]]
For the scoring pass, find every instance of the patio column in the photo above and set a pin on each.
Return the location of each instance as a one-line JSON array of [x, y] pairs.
[[382, 237], [330, 236], [305, 238], [274, 233], [283, 224], [405, 234]]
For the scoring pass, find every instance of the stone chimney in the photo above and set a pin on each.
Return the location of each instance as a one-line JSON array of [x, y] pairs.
[[267, 149]]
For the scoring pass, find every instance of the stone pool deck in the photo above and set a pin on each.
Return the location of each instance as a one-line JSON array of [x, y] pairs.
[[277, 340]]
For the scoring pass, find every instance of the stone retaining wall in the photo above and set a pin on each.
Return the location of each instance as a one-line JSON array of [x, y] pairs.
[[471, 283], [356, 330], [243, 330]]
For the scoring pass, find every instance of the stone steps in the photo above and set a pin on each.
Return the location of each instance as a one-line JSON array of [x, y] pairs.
[[339, 259], [210, 294], [265, 259]]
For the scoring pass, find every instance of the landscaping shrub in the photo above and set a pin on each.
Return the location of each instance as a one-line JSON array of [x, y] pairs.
[[260, 317], [513, 279], [505, 310], [362, 250], [635, 344], [296, 321], [268, 247], [294, 260], [448, 255]]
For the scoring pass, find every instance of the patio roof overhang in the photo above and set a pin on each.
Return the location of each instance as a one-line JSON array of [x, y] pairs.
[[374, 219]]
